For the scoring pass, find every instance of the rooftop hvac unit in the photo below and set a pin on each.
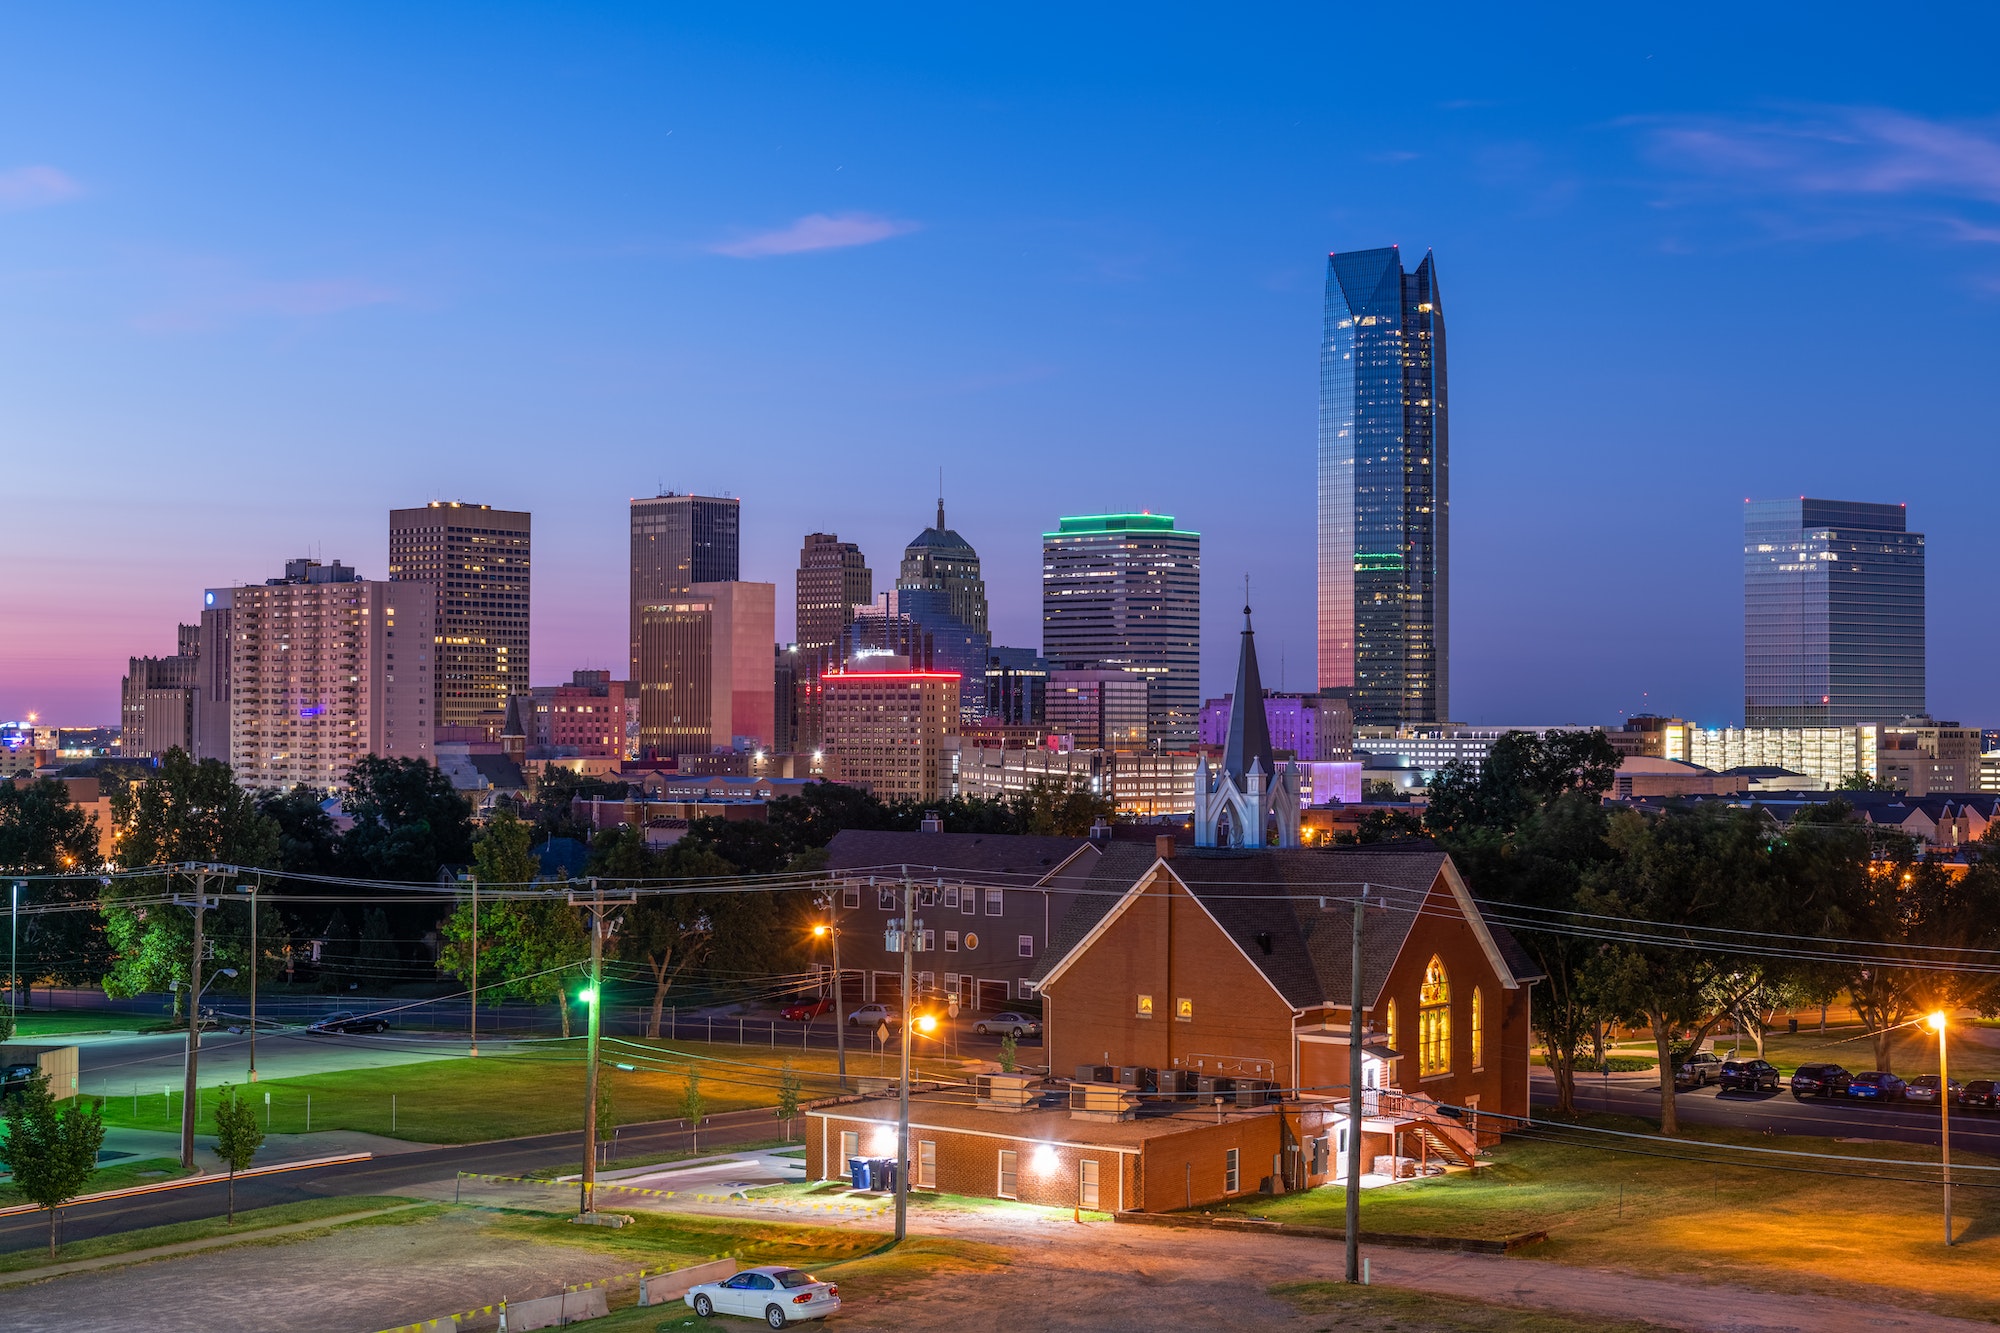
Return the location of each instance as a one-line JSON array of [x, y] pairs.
[[1209, 1087], [1176, 1083], [1140, 1078], [1096, 1074], [1255, 1092]]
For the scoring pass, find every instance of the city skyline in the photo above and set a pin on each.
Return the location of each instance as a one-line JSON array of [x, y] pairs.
[[810, 280]]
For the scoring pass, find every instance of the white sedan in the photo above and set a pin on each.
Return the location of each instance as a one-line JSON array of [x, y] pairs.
[[775, 1295], [1014, 1025]]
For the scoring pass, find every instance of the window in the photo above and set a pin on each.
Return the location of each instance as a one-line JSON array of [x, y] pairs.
[[885, 899], [1478, 1029], [851, 896], [993, 902], [1389, 1035], [968, 903], [1230, 1175], [1434, 1021], [926, 1164], [951, 941], [850, 1147], [951, 895], [930, 941], [1086, 1183], [927, 896], [1025, 945], [1145, 1006], [1010, 1181], [924, 983], [1184, 1010], [1024, 990]]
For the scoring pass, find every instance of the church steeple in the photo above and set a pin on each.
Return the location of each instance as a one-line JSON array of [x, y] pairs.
[[1249, 731]]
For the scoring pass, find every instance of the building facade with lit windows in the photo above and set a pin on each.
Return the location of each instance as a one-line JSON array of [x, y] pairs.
[[678, 541], [1384, 492], [156, 700], [1101, 710], [584, 719], [1833, 613], [1140, 783], [705, 678], [891, 729], [479, 559], [1123, 591], [326, 668]]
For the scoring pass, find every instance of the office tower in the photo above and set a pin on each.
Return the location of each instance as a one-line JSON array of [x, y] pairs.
[[888, 728], [1124, 591], [1384, 501], [705, 680], [1017, 684], [156, 700], [1920, 756], [677, 542], [939, 588], [1309, 727], [329, 668], [1833, 614], [584, 719], [1099, 710], [478, 559], [833, 579], [784, 697], [215, 643]]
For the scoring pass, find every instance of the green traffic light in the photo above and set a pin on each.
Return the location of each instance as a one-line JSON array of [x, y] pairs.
[[587, 995]]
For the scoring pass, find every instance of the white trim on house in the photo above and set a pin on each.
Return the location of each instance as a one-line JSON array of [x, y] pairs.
[[1456, 883]]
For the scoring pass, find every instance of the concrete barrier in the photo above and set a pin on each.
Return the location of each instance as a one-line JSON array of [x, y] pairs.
[[664, 1287], [555, 1311]]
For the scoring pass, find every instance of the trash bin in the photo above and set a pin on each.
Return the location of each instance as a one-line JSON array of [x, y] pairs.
[[882, 1172], [857, 1170], [1794, 1025]]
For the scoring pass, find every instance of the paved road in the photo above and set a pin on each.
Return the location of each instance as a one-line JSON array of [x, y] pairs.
[[382, 1175], [1971, 1131]]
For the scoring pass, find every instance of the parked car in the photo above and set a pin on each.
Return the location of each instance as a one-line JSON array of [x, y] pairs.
[[807, 1010], [1981, 1092], [1876, 1085], [1748, 1076], [870, 1015], [345, 1022], [775, 1295], [1925, 1090], [1698, 1070], [15, 1078], [1009, 1024], [1820, 1081]]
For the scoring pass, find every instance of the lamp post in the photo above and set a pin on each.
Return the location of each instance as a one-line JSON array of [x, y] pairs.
[[598, 907], [473, 880], [1937, 1022], [13, 954], [255, 962], [831, 931]]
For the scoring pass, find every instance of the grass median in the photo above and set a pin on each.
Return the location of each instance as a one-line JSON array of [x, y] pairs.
[[1690, 1207], [537, 1091], [114, 1176], [34, 1027]]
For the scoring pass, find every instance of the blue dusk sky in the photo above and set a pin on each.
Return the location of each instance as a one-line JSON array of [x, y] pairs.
[[268, 271]]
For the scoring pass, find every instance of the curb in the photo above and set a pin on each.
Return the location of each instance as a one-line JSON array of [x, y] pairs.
[[185, 1182]]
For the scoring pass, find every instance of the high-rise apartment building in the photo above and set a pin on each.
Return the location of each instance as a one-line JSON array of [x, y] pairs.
[[705, 678], [1384, 497], [677, 542], [478, 559], [1833, 614], [833, 579], [890, 728], [156, 700], [1099, 710], [1123, 591], [211, 695], [326, 668]]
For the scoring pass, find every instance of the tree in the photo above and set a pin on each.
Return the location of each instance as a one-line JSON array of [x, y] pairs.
[[408, 821], [1008, 1053], [238, 1136], [528, 947], [185, 811], [1384, 826], [381, 963], [51, 1146], [1932, 928], [1376, 789], [1051, 810], [43, 833], [670, 933], [692, 1105], [1863, 782], [788, 1098]]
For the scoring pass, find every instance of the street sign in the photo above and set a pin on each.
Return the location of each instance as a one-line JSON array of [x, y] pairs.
[[951, 1006], [882, 1033]]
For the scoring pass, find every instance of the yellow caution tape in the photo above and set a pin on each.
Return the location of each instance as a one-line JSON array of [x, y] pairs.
[[861, 1208]]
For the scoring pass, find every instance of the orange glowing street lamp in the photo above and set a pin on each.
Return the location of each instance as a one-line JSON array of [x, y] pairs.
[[1937, 1022]]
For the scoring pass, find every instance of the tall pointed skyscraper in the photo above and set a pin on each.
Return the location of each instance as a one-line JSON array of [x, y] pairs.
[[1384, 501]]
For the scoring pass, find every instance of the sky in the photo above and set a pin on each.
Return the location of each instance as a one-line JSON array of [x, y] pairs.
[[268, 272]]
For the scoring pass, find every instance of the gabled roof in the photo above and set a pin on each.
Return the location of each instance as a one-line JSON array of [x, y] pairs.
[[1269, 903], [1024, 859]]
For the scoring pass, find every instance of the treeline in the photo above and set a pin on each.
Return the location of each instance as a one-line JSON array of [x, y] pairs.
[[1682, 919]]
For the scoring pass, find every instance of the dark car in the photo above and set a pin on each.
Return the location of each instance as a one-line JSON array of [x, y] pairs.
[[805, 1011], [1925, 1090], [1748, 1076], [346, 1022], [1820, 1081], [1983, 1092], [14, 1079], [1876, 1085]]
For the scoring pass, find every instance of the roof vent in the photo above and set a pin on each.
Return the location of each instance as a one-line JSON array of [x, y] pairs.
[[1264, 940], [1100, 831], [933, 822]]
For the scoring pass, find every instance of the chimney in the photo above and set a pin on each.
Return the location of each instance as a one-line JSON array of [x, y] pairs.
[[932, 822], [1100, 831], [1163, 846]]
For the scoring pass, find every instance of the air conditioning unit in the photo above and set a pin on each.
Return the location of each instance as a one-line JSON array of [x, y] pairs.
[[1141, 1078], [1096, 1074], [1255, 1092], [1177, 1083], [1208, 1088]]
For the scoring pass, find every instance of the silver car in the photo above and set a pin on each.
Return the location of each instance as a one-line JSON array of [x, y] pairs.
[[775, 1295], [1012, 1025]]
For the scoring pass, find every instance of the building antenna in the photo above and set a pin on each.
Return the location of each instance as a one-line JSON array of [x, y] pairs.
[[940, 521]]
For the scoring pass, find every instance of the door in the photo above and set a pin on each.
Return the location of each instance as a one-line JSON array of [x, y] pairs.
[[1009, 1177], [992, 996], [734, 1296], [852, 987], [926, 1164], [1086, 1183], [1340, 1133], [889, 991]]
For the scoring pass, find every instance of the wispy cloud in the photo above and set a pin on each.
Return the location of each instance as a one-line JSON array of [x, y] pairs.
[[213, 295], [1883, 168], [35, 187], [817, 231]]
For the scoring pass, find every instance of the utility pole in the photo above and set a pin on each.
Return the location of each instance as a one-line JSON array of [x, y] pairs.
[[1354, 1031], [903, 1106], [597, 907], [839, 1002], [473, 880], [14, 955], [255, 960], [190, 1079]]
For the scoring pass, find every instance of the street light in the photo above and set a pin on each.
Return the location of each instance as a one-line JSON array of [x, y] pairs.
[[1937, 1022], [827, 930]]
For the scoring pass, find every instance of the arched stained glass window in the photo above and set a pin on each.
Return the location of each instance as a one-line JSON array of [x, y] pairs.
[[1434, 1022]]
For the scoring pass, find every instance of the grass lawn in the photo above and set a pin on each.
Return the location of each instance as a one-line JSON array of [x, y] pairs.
[[73, 1022], [247, 1220], [1975, 1050], [115, 1176], [465, 1100], [1381, 1309], [1785, 1230]]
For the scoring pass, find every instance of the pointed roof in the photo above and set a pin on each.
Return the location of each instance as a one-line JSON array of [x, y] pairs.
[[513, 725], [1249, 731]]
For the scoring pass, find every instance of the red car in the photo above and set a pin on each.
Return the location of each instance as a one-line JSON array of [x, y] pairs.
[[807, 1010]]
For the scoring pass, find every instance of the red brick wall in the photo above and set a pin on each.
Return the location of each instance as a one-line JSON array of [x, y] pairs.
[[969, 1164], [1187, 1169], [1165, 945]]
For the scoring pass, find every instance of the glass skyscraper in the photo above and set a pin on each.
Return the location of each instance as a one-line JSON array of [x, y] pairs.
[[1833, 614], [1384, 502]]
